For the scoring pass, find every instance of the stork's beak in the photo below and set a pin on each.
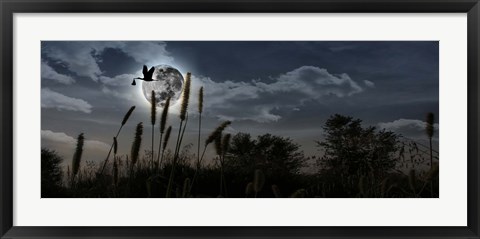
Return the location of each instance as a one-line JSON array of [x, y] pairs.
[[133, 82]]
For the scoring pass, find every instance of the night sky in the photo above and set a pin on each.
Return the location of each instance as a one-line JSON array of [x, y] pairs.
[[283, 88]]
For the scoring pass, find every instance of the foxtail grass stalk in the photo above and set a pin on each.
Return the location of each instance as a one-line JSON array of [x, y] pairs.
[[183, 131], [115, 146], [183, 117], [115, 176], [226, 144], [258, 181], [77, 157], [218, 149], [137, 142], [221, 146], [216, 133], [165, 142], [124, 121], [185, 96], [115, 171], [429, 129], [225, 148], [153, 119], [200, 110], [218, 145], [163, 123]]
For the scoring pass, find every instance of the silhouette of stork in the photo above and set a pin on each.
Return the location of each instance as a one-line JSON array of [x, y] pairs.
[[147, 75]]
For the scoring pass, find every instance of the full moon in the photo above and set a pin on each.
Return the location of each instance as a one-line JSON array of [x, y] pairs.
[[168, 82]]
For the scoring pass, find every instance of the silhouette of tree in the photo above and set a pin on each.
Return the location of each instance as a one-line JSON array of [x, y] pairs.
[[352, 151], [51, 174], [273, 154], [279, 158]]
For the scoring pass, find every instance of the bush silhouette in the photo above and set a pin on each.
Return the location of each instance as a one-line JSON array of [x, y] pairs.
[[51, 174]]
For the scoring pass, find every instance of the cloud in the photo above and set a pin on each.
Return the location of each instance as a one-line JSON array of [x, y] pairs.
[[119, 80], [58, 137], [49, 73], [314, 82], [146, 52], [79, 56], [121, 93], [62, 138], [255, 100], [408, 127], [52, 99], [369, 83], [65, 145], [82, 57]]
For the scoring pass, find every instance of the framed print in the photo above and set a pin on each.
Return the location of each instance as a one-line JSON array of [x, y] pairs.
[[262, 119]]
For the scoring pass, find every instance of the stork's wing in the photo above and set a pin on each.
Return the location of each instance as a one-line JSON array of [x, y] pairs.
[[150, 72], [144, 70]]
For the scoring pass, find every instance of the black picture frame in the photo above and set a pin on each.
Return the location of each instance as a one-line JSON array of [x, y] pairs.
[[9, 7]]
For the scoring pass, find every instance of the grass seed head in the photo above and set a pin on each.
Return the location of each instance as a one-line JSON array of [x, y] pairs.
[[153, 111], [127, 115], [136, 143], [163, 120], [77, 156], [185, 96], [429, 126], [200, 100], [166, 137], [115, 145], [218, 131]]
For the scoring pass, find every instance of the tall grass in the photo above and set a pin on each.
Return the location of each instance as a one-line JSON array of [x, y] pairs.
[[183, 117], [224, 146], [429, 130], [124, 121], [115, 175], [115, 146], [77, 157], [212, 137], [200, 110], [165, 143], [218, 149], [163, 123], [137, 142], [153, 119], [258, 181]]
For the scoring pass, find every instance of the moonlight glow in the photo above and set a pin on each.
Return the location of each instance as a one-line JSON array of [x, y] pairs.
[[168, 83]]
